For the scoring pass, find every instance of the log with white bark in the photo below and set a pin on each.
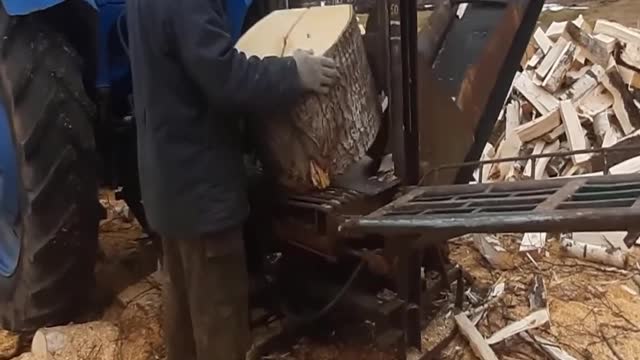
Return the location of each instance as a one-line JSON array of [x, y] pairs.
[[602, 254], [321, 136], [98, 340]]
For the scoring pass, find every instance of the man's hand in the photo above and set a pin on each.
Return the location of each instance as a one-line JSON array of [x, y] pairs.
[[317, 73]]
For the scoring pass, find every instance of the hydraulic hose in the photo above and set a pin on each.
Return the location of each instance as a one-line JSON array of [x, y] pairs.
[[310, 318]]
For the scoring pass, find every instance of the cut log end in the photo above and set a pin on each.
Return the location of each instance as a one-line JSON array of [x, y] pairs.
[[322, 135]]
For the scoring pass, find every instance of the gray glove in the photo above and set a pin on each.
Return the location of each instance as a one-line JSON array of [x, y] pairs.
[[317, 73]]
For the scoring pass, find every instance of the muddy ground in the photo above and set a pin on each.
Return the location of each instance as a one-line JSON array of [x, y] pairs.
[[595, 311]]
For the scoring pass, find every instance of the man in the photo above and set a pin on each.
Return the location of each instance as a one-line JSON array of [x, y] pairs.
[[190, 86]]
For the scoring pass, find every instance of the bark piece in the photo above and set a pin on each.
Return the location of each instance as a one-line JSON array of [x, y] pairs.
[[323, 134], [573, 130], [625, 109], [541, 100], [492, 250], [551, 58], [531, 321], [97, 340], [477, 342], [537, 293], [555, 77], [538, 127]]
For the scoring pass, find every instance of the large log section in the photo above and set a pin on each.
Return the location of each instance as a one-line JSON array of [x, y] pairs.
[[323, 134]]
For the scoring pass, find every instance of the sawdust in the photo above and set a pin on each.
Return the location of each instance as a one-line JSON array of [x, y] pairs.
[[589, 304]]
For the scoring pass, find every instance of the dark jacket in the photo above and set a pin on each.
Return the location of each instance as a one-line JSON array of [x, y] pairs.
[[190, 88]]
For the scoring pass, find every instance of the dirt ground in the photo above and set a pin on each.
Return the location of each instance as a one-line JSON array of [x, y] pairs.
[[595, 311]]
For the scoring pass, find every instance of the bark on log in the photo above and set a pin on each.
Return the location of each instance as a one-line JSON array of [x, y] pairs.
[[323, 134], [95, 340]]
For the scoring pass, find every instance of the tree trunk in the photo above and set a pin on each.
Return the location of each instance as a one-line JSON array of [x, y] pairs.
[[95, 340], [323, 134]]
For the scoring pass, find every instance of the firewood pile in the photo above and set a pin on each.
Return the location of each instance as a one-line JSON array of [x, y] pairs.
[[579, 89]]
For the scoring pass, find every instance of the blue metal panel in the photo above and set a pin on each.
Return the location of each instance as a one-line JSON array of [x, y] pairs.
[[9, 197], [24, 7], [113, 62], [236, 12]]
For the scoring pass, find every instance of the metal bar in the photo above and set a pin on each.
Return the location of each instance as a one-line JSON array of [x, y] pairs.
[[561, 195], [552, 221]]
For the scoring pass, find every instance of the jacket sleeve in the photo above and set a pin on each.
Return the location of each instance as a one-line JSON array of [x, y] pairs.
[[231, 80]]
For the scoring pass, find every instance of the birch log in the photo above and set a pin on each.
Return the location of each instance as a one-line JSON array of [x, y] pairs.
[[305, 146]]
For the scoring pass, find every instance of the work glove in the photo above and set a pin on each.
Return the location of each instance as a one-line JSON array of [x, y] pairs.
[[317, 73]]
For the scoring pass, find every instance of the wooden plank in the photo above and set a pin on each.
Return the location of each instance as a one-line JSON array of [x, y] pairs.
[[625, 109], [541, 100], [561, 195], [477, 342], [573, 130], [551, 58], [555, 77], [541, 164], [542, 41], [538, 127], [617, 31], [531, 321]]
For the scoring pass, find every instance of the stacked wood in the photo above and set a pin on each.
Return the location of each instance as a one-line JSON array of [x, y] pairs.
[[578, 90], [306, 146]]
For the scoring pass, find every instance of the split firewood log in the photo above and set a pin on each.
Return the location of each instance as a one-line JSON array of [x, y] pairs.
[[97, 340], [304, 147]]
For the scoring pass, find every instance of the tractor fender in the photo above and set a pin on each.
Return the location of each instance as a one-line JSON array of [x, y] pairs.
[[25, 7]]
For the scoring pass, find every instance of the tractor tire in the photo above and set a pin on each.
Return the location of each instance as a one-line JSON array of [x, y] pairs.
[[50, 122]]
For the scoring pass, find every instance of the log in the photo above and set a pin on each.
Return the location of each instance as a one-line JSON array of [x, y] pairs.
[[97, 340], [573, 130], [593, 49], [538, 147], [597, 101], [322, 135], [585, 84], [594, 253]]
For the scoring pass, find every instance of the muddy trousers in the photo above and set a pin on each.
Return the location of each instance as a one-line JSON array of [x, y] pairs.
[[206, 297]]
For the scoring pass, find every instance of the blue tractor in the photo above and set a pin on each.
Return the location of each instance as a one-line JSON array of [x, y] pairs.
[[65, 129]]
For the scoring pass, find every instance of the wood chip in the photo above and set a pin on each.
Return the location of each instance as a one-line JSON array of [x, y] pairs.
[[531, 321]]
